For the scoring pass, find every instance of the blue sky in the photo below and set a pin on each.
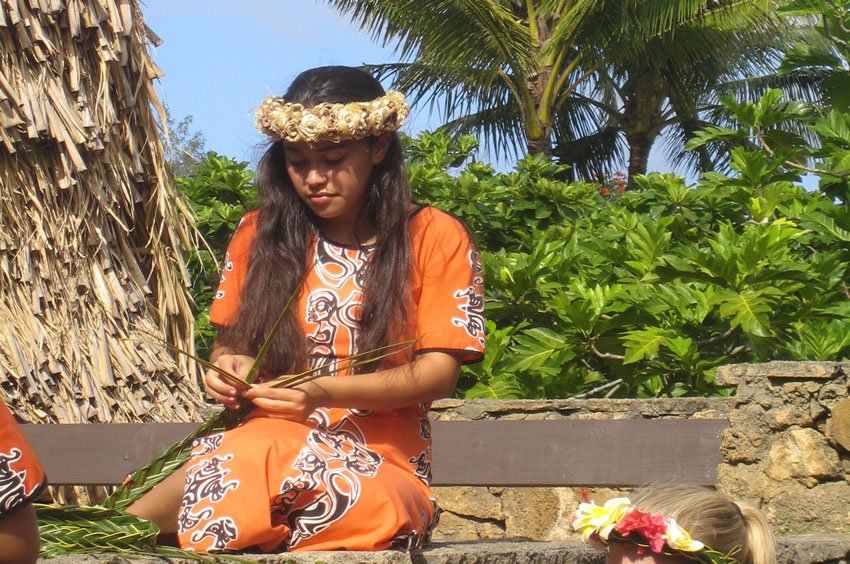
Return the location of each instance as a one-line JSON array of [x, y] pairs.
[[222, 57]]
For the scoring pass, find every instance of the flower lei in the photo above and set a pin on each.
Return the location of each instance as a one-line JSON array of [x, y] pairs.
[[619, 520], [294, 123]]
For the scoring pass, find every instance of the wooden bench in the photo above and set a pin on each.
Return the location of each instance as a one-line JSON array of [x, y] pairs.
[[562, 452]]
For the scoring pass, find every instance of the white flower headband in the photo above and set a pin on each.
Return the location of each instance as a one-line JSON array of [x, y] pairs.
[[294, 123], [619, 520]]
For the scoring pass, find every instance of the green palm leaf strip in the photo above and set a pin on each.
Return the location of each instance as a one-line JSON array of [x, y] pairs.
[[361, 359], [225, 374]]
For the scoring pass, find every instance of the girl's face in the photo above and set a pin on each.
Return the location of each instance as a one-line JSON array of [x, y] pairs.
[[625, 553], [332, 179]]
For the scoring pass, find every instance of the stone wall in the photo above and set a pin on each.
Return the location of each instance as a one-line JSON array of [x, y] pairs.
[[787, 446], [786, 451]]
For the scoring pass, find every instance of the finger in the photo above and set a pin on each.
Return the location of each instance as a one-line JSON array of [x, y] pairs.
[[214, 382], [228, 401], [220, 391]]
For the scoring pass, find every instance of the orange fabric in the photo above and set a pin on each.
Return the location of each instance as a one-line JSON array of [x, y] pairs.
[[345, 479], [21, 475]]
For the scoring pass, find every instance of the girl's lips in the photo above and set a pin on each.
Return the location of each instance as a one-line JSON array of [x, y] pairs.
[[320, 198]]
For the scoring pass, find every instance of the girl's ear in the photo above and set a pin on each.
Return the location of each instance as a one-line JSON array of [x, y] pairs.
[[379, 149]]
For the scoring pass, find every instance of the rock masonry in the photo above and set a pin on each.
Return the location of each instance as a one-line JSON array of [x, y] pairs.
[[786, 451]]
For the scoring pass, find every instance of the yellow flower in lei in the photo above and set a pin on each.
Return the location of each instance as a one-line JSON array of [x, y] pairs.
[[679, 539], [592, 520], [294, 123]]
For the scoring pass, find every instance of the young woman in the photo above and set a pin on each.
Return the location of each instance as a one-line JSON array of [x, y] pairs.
[[677, 525], [21, 481], [341, 461]]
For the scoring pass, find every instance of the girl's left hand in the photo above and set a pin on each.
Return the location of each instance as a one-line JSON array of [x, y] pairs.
[[295, 404]]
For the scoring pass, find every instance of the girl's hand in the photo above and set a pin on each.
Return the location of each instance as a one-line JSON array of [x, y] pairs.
[[295, 404], [219, 389]]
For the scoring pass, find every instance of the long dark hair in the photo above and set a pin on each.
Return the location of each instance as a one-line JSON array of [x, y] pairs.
[[286, 227]]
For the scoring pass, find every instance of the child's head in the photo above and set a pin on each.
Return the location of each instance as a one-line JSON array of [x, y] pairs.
[[327, 115], [695, 521]]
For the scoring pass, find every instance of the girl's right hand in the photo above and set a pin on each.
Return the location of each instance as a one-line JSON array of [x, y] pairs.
[[221, 390]]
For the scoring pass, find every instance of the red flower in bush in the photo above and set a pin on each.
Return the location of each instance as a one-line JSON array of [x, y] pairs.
[[651, 527]]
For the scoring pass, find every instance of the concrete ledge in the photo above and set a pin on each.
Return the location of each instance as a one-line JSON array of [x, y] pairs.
[[800, 549]]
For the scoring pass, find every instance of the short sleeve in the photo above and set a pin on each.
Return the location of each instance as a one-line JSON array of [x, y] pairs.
[[225, 304], [23, 477], [448, 287]]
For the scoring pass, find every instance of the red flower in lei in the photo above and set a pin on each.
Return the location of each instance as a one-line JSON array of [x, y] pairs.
[[651, 527]]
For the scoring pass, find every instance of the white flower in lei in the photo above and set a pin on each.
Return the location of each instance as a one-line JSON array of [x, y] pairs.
[[294, 123]]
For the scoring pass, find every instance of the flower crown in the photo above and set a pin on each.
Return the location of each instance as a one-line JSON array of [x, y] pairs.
[[294, 123], [619, 520]]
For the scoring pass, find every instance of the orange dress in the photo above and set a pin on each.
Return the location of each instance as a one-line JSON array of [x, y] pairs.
[[345, 479], [21, 476]]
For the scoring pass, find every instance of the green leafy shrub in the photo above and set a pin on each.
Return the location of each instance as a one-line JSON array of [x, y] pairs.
[[219, 191], [645, 293]]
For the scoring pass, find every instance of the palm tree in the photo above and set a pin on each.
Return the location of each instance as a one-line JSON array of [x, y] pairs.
[[520, 72], [671, 82]]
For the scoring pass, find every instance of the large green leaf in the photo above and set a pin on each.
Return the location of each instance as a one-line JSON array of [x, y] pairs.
[[645, 343], [500, 387], [749, 309], [540, 349]]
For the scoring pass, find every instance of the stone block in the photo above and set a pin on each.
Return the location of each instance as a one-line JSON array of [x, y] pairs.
[[803, 454], [736, 374], [460, 528], [834, 392], [784, 417], [538, 513], [838, 425], [748, 436], [748, 482], [477, 502], [824, 508]]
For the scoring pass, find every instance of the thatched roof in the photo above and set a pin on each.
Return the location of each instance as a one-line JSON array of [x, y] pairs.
[[90, 228]]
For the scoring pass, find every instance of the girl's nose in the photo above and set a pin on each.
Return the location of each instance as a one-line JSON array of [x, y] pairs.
[[316, 177]]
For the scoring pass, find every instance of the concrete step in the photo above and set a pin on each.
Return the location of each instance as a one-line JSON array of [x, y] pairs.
[[799, 549]]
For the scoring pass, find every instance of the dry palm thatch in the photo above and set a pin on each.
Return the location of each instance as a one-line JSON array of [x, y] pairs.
[[91, 227]]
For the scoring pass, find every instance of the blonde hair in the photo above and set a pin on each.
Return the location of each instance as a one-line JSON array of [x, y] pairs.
[[714, 519]]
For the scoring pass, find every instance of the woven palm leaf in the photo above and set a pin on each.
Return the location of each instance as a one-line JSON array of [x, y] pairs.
[[66, 530], [108, 527]]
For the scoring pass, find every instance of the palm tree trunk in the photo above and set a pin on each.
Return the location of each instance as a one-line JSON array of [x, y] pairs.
[[642, 118], [540, 145], [639, 146]]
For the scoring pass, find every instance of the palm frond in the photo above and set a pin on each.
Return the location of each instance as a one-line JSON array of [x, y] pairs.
[[477, 33], [498, 126]]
